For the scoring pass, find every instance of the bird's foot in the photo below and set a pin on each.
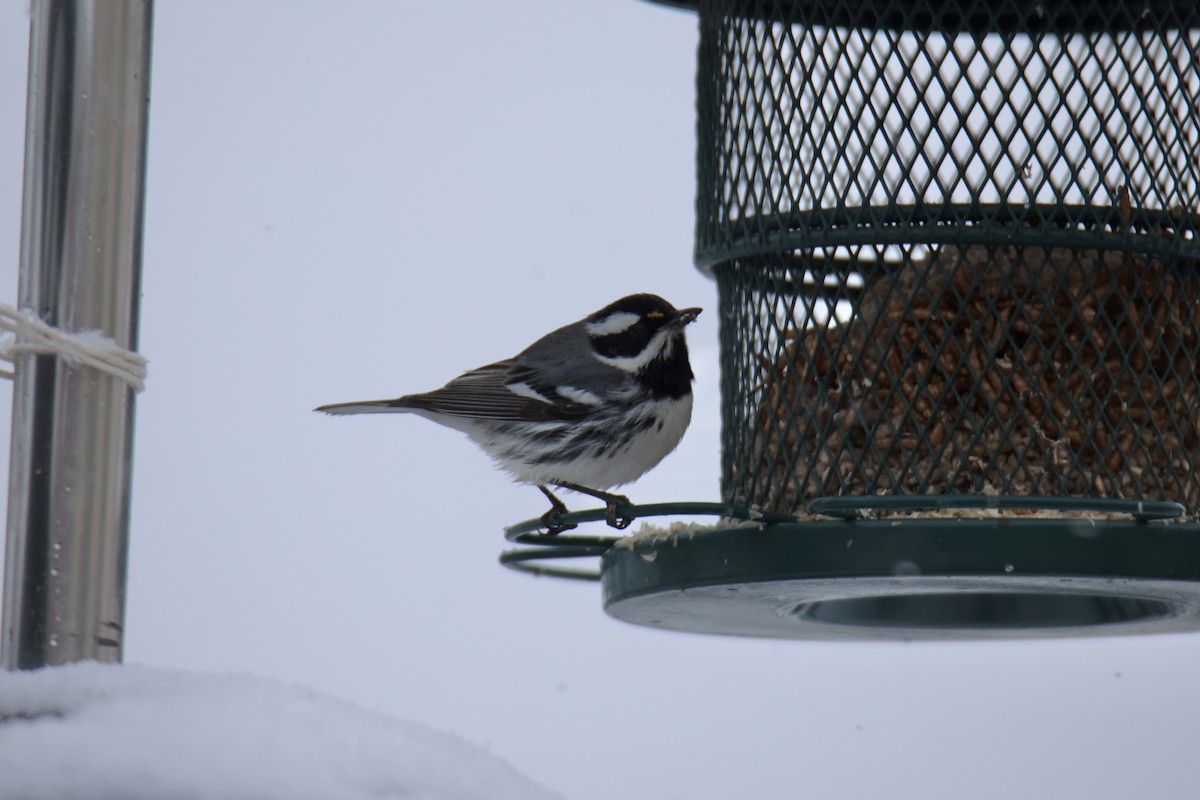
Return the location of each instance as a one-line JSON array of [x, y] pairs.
[[553, 526], [610, 512], [611, 501], [551, 518]]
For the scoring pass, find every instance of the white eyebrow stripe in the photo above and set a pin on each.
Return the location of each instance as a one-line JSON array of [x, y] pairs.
[[523, 389], [613, 323], [578, 395]]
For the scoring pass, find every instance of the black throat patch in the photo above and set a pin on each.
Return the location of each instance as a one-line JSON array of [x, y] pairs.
[[668, 376]]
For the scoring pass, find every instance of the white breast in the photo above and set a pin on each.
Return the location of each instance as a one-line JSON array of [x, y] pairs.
[[643, 452]]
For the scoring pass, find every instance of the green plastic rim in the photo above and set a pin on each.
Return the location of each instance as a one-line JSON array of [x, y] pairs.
[[859, 576], [852, 507], [871, 579], [969, 15]]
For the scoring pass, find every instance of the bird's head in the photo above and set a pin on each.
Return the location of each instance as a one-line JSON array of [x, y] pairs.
[[641, 332]]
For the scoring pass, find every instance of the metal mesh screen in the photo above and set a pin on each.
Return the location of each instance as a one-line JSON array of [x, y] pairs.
[[956, 246]]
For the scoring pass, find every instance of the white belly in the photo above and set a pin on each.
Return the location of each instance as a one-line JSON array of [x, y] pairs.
[[644, 451]]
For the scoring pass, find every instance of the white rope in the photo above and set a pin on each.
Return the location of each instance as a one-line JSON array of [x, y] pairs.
[[86, 348]]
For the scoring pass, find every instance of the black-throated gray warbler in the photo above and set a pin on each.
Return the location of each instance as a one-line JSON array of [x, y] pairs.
[[593, 405]]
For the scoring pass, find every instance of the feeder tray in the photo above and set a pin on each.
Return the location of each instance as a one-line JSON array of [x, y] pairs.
[[1001, 571]]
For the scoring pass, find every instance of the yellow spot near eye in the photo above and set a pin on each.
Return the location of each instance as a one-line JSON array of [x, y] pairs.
[[654, 315]]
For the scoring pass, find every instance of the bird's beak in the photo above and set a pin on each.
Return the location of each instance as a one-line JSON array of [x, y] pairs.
[[685, 315]]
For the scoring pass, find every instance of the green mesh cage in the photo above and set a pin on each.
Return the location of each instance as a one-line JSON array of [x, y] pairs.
[[955, 245]]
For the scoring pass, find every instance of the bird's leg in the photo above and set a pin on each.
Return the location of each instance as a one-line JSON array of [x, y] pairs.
[[611, 501], [550, 518]]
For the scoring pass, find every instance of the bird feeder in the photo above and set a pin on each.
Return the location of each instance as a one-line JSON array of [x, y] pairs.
[[955, 245]]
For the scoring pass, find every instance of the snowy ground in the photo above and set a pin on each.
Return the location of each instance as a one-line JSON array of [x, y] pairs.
[[96, 731]]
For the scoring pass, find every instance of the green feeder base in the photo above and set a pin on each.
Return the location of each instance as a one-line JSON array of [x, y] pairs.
[[994, 578], [1010, 572]]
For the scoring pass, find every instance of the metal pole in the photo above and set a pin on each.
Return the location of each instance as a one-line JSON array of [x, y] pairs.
[[81, 247]]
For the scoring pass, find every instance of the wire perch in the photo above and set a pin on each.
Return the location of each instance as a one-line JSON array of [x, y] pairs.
[[545, 546]]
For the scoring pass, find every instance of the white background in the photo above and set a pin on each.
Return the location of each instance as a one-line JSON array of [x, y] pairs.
[[352, 200]]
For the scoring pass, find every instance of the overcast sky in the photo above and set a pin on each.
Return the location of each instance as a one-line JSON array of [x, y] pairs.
[[353, 200]]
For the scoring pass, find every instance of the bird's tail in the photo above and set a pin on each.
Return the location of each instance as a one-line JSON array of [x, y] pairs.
[[399, 404]]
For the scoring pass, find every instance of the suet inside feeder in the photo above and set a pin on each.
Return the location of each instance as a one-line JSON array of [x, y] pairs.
[[956, 253]]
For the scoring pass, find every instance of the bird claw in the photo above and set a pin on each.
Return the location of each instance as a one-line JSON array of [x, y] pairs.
[[610, 513], [553, 526], [551, 518]]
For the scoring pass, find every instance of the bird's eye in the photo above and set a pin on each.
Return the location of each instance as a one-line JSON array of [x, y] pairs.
[[654, 315]]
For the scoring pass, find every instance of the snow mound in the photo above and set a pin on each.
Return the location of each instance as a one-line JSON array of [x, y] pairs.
[[107, 731]]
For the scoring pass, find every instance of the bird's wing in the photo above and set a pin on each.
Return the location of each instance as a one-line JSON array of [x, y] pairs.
[[505, 391]]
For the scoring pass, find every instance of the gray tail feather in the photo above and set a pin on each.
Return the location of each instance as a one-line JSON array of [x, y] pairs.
[[397, 405]]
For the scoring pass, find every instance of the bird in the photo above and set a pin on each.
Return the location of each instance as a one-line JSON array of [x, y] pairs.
[[591, 406]]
